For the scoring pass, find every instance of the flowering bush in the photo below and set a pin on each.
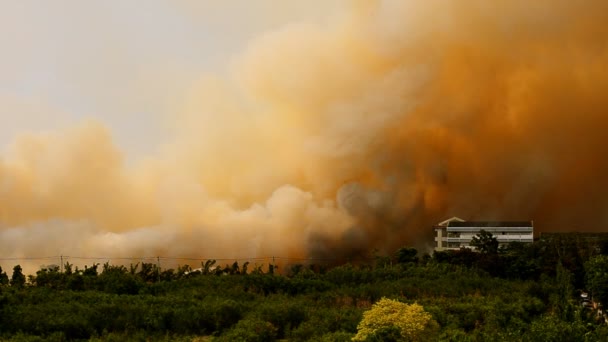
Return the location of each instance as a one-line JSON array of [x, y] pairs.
[[409, 320]]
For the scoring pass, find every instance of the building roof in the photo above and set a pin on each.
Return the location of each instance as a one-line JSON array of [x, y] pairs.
[[482, 224], [452, 219]]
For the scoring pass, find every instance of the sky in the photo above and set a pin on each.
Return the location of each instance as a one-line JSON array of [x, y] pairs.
[[295, 129], [124, 63]]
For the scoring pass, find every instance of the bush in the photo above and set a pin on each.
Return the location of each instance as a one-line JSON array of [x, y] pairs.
[[282, 313], [250, 330], [226, 314], [338, 336], [117, 280], [392, 320], [551, 329]]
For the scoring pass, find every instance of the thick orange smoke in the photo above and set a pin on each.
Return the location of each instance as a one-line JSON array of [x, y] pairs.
[[334, 140]]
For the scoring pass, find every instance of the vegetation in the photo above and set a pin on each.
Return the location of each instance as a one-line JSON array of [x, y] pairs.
[[597, 277], [485, 242], [397, 320], [519, 293]]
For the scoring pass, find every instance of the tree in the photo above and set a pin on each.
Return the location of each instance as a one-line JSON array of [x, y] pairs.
[[382, 261], [117, 279], [235, 269], [208, 266], [407, 255], [67, 268], [597, 278], [18, 279], [48, 276], [244, 268], [251, 329], [387, 314], [485, 242], [3, 277], [90, 271], [564, 290], [149, 272]]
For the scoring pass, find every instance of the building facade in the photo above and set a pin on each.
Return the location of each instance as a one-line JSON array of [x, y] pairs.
[[456, 233]]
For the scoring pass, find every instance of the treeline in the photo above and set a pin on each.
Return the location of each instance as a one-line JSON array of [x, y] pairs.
[[518, 293]]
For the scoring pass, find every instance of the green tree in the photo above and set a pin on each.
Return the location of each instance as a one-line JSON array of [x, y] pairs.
[[48, 276], [407, 255], [244, 268], [18, 279], [252, 330], [387, 314], [117, 279], [564, 292], [3, 277], [596, 278], [149, 272], [550, 328], [485, 242], [235, 269], [67, 268], [90, 271], [208, 266]]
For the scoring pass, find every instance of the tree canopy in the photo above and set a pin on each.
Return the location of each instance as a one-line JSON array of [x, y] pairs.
[[522, 293], [410, 320], [485, 242], [597, 278]]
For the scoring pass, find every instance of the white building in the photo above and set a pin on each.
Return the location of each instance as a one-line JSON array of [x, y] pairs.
[[456, 233]]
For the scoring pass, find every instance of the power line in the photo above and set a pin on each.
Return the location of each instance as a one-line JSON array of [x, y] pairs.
[[172, 258], [30, 258]]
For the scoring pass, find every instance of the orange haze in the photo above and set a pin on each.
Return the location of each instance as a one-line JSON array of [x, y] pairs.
[[335, 139]]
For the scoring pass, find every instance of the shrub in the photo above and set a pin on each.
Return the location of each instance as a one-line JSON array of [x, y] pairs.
[[282, 314], [227, 313], [386, 314], [338, 336], [250, 330]]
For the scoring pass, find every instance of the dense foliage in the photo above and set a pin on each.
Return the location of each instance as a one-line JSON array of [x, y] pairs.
[[519, 293], [405, 321]]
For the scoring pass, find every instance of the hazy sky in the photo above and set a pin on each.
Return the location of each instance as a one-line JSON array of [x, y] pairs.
[[127, 64], [295, 128]]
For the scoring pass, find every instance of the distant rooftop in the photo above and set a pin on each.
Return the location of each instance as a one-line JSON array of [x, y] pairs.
[[452, 219]]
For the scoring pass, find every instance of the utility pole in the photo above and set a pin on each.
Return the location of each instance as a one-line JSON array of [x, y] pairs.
[[61, 264]]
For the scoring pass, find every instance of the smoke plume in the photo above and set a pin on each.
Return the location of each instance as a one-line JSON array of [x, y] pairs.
[[330, 140]]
